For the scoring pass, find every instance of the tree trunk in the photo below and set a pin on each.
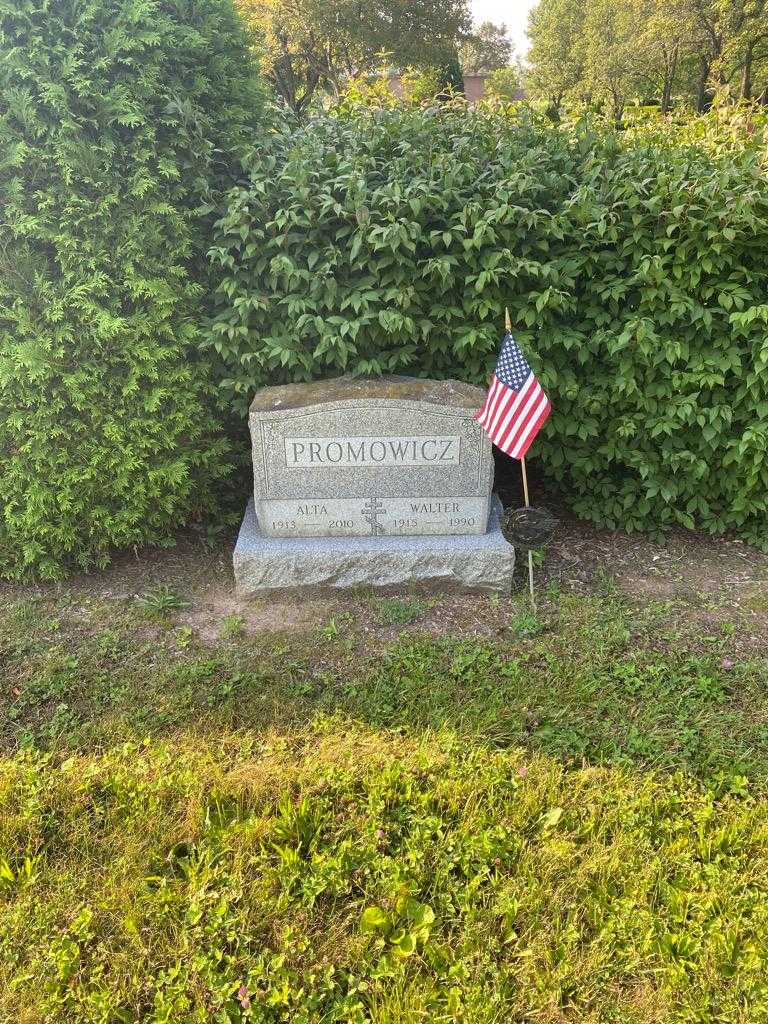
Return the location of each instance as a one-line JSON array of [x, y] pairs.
[[618, 109], [702, 100], [670, 70], [553, 108], [746, 76]]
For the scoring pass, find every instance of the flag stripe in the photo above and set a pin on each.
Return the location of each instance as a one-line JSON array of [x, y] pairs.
[[498, 401], [508, 430], [503, 402], [512, 401], [515, 406], [527, 428], [512, 440], [523, 445], [482, 416]]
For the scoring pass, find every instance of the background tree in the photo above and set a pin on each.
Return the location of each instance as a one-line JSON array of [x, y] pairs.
[[614, 50], [419, 32], [735, 36], [670, 42], [308, 44], [486, 49], [613, 59], [505, 83], [556, 55], [450, 74], [312, 45]]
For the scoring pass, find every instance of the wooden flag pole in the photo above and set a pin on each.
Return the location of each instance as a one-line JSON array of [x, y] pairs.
[[530, 553], [508, 325]]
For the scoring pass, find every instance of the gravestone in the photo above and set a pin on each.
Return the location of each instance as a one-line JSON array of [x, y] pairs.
[[380, 482]]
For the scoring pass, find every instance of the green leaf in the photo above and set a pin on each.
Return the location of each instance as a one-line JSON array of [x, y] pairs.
[[403, 943], [373, 919], [551, 818]]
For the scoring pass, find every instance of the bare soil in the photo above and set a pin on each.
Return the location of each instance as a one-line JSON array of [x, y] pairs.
[[704, 583]]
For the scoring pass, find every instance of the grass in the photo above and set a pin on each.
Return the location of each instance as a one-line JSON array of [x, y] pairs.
[[564, 823], [397, 611], [161, 601]]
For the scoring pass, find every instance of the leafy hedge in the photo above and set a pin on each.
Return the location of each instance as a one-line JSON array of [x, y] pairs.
[[115, 118], [634, 269]]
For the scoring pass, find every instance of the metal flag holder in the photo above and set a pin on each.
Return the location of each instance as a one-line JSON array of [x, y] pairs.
[[528, 528], [531, 528]]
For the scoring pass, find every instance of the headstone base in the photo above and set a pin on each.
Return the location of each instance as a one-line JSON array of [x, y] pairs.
[[469, 562]]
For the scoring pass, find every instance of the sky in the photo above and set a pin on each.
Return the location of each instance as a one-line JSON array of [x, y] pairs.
[[512, 13]]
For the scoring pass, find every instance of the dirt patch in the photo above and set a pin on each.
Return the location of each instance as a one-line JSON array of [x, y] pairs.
[[704, 583], [190, 566], [219, 612], [688, 565]]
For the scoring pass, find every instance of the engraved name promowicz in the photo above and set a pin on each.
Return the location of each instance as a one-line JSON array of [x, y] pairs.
[[344, 452]]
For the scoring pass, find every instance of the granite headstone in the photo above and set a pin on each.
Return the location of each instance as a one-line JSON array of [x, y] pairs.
[[382, 481]]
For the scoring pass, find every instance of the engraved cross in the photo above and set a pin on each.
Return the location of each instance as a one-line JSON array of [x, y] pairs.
[[372, 509]]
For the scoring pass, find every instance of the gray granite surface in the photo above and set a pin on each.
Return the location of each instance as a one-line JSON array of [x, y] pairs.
[[394, 388], [474, 562], [390, 456]]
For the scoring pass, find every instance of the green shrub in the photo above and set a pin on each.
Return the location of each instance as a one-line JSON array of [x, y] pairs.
[[116, 124], [634, 269]]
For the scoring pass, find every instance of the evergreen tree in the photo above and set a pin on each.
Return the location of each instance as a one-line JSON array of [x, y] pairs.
[[119, 119]]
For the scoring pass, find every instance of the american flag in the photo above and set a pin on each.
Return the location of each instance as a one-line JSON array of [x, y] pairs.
[[515, 406]]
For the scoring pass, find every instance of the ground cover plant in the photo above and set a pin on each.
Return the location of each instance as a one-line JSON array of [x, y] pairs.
[[390, 240], [118, 121], [381, 816]]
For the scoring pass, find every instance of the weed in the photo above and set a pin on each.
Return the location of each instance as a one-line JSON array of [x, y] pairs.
[[161, 601], [398, 611], [339, 630], [758, 601], [606, 583], [526, 623], [539, 557], [233, 627], [184, 636], [331, 630]]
